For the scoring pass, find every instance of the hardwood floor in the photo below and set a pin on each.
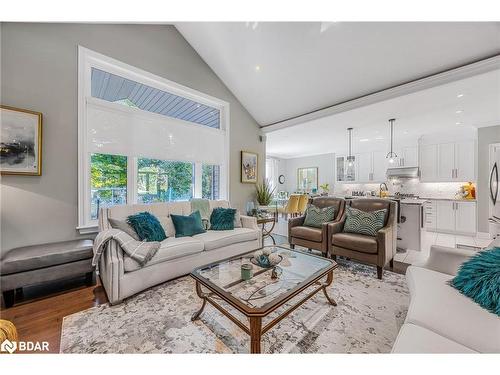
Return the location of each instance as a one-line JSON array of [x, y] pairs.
[[38, 313]]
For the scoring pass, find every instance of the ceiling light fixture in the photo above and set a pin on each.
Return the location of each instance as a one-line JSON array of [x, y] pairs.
[[458, 112], [460, 95], [364, 140], [391, 155], [458, 123], [350, 158], [257, 68]]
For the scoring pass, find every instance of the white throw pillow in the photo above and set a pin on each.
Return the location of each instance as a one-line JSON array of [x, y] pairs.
[[167, 225]]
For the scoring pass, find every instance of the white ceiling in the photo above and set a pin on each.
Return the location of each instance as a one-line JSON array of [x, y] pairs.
[[282, 70], [423, 112]]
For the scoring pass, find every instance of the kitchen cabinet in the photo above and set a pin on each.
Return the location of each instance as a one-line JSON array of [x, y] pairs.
[[444, 162], [408, 157], [345, 174], [450, 216], [364, 167], [428, 163], [379, 166], [465, 218], [445, 216]]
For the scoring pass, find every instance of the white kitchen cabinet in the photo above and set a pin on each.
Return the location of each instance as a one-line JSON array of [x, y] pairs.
[[449, 216], [465, 161], [379, 169], [445, 216], [364, 167], [428, 163], [408, 157], [446, 162], [465, 218]]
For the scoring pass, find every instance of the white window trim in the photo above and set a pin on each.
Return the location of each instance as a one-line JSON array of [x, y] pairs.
[[88, 59]]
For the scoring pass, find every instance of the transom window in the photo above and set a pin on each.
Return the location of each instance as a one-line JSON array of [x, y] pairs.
[[144, 139]]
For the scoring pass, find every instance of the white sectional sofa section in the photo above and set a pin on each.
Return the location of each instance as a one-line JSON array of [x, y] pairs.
[[440, 319], [123, 277]]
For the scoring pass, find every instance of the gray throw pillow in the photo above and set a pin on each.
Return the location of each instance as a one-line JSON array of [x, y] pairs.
[[361, 222], [237, 219], [315, 217], [124, 226]]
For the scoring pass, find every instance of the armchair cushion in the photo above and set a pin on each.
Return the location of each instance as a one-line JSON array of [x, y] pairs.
[[361, 222], [315, 216], [307, 233], [355, 241]]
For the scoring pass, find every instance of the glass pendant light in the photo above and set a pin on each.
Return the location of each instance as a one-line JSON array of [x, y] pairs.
[[391, 155], [350, 157]]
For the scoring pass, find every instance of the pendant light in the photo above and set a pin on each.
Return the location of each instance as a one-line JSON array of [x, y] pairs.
[[350, 157], [391, 155]]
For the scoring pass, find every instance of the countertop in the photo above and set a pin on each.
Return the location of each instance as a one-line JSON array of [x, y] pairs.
[[447, 199]]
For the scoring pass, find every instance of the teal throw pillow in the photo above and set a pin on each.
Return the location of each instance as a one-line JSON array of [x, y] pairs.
[[479, 279], [361, 222], [186, 226], [147, 227], [222, 218], [315, 216]]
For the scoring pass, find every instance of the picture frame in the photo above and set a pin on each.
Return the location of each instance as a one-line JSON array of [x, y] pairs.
[[20, 141], [307, 179], [249, 167]]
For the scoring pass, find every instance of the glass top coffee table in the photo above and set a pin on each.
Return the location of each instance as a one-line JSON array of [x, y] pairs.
[[266, 291]]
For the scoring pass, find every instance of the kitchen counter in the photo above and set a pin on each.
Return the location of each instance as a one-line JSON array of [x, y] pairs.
[[448, 199], [414, 201]]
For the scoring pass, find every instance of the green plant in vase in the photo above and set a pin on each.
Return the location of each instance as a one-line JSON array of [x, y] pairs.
[[264, 193], [325, 188]]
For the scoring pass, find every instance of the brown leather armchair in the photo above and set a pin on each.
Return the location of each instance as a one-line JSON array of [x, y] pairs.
[[378, 250], [314, 238]]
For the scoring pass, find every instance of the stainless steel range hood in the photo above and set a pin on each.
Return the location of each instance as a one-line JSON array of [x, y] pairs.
[[403, 172]]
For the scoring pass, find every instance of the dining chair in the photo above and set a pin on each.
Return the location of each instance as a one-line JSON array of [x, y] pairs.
[[303, 200], [291, 207]]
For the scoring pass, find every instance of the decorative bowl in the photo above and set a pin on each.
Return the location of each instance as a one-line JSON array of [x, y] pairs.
[[264, 262]]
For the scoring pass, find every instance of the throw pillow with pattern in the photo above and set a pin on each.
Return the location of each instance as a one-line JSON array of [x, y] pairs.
[[315, 217], [361, 222]]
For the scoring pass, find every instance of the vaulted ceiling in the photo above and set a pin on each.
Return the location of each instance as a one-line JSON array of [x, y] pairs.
[[282, 70]]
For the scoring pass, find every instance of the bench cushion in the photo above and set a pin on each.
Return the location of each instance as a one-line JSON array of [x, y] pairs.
[[40, 256]]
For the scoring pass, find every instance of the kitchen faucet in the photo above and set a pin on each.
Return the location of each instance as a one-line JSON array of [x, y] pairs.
[[385, 188]]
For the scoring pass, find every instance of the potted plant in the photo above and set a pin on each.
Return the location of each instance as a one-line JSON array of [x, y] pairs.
[[264, 194], [325, 187]]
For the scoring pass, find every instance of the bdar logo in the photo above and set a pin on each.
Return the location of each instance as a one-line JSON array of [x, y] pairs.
[[8, 346]]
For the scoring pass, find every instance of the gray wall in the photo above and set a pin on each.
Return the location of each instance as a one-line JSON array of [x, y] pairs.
[[39, 72], [485, 137]]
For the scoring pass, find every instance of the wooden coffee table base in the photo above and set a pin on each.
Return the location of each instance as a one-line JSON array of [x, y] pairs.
[[255, 329]]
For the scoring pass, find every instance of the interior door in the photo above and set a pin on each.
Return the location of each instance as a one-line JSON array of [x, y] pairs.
[[445, 216], [465, 161], [446, 162], [465, 217], [428, 163]]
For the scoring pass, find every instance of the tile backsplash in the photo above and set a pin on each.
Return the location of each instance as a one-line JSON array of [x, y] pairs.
[[422, 189]]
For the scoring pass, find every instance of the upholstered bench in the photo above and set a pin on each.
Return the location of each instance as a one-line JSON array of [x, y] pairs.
[[30, 265]]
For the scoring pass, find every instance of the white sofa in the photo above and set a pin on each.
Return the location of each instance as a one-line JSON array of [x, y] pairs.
[[123, 277], [439, 318]]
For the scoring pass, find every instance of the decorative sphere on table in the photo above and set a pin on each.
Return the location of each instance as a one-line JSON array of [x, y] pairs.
[[274, 259], [266, 251], [257, 254]]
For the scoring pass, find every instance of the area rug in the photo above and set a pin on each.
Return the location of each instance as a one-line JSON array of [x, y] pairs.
[[366, 320]]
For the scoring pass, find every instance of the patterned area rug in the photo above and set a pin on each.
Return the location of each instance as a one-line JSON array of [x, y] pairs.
[[366, 320]]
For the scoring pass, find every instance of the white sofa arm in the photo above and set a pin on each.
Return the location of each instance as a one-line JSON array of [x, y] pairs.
[[111, 270], [249, 222], [446, 259]]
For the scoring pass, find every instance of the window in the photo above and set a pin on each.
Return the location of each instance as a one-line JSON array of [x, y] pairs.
[[210, 181], [145, 139], [108, 176], [162, 181]]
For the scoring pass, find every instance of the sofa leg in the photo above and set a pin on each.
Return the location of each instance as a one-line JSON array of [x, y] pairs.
[[292, 246], [90, 278], [379, 272], [9, 297], [334, 257], [391, 263]]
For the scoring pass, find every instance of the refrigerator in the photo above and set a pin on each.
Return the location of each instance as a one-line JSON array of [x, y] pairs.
[[493, 190]]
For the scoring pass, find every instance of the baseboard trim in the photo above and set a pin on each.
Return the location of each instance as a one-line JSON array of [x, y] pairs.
[[484, 235]]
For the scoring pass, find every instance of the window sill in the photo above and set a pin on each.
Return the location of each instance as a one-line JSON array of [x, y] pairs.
[[88, 229]]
